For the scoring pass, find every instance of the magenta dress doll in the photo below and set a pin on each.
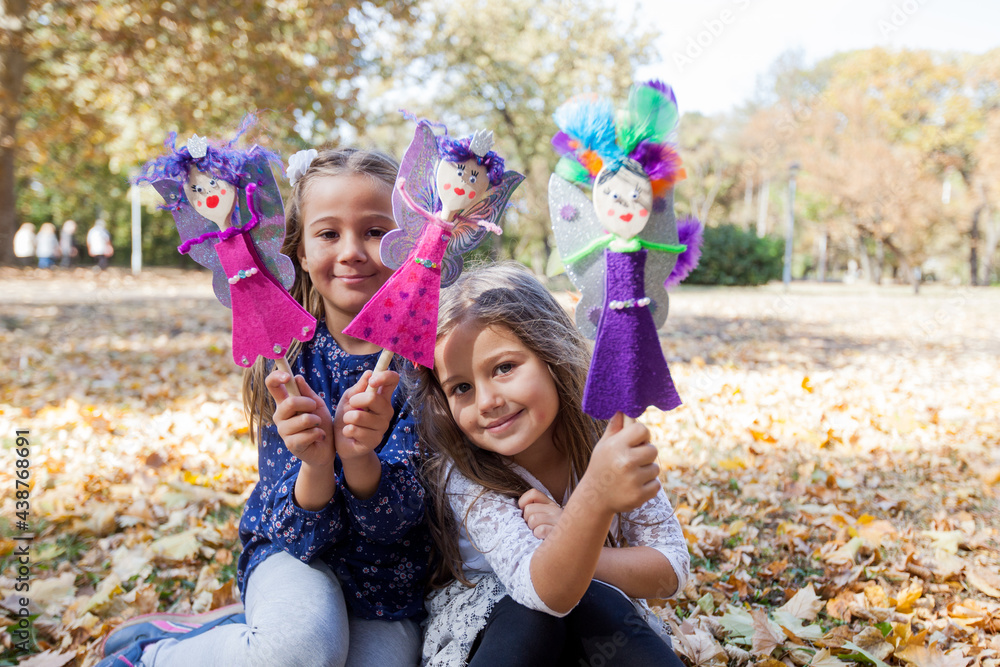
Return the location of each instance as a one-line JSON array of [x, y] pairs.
[[241, 245], [449, 195]]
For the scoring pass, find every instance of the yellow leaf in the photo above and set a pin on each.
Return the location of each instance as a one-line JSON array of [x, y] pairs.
[[909, 595], [110, 587], [945, 540], [807, 385], [177, 547], [845, 555]]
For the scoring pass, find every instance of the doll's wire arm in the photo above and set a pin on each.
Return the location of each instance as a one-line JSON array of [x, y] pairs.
[[597, 243], [417, 207], [254, 218], [673, 248]]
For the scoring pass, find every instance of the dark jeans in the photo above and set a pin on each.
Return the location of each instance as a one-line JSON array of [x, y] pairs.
[[603, 630]]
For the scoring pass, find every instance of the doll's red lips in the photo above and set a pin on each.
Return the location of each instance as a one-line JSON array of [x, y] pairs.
[[627, 217], [212, 201], [459, 191]]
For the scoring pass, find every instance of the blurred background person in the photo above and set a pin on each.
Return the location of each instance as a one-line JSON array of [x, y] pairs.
[[99, 243], [46, 245], [24, 244], [67, 247]]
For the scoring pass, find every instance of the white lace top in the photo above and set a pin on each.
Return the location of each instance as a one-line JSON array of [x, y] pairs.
[[496, 545]]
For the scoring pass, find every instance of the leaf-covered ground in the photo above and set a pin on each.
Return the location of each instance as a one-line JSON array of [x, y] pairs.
[[836, 466]]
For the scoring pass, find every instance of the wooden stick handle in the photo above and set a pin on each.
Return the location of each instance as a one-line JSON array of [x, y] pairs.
[[282, 365], [384, 359]]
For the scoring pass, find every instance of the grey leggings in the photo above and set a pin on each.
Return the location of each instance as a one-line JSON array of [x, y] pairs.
[[296, 616]]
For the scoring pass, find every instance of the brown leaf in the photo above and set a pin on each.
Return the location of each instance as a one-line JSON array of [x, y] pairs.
[[872, 641], [48, 659], [987, 582], [805, 604], [766, 635], [824, 658], [932, 656]]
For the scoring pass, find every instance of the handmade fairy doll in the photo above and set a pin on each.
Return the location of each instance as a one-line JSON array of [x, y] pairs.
[[449, 195], [203, 184], [620, 248]]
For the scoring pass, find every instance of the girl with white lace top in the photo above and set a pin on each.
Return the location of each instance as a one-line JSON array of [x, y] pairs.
[[550, 535]]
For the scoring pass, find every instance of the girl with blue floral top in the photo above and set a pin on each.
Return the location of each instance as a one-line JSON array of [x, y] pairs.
[[335, 548]]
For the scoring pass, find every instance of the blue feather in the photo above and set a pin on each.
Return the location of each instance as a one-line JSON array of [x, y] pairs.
[[591, 121]]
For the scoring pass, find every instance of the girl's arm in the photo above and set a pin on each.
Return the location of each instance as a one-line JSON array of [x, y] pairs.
[[397, 503], [621, 476], [655, 566]]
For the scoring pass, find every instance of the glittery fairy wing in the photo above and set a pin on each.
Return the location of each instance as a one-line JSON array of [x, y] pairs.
[[419, 163], [661, 228], [269, 234], [190, 225], [575, 226], [489, 209], [468, 234]]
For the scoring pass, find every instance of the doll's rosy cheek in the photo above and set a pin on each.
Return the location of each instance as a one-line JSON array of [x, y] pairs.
[[447, 186], [472, 194], [643, 212]]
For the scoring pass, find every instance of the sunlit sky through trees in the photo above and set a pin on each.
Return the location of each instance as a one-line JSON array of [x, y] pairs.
[[713, 52]]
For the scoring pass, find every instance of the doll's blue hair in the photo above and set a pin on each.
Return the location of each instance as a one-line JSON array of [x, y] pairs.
[[221, 160], [458, 150]]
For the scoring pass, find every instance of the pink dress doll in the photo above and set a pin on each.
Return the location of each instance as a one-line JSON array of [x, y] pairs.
[[440, 217], [242, 246]]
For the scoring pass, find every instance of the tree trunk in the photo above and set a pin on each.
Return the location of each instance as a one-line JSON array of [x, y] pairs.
[[13, 67], [974, 245], [762, 199], [747, 204], [821, 256]]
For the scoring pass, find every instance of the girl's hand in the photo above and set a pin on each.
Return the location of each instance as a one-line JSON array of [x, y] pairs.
[[540, 512], [363, 416], [623, 472], [303, 422]]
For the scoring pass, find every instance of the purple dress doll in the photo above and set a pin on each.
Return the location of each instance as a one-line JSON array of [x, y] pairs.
[[200, 183], [449, 195], [624, 300]]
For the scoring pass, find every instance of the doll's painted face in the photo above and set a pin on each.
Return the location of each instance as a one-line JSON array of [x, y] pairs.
[[623, 202], [462, 184], [210, 196]]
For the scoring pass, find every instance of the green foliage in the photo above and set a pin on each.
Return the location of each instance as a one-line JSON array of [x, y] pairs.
[[732, 256]]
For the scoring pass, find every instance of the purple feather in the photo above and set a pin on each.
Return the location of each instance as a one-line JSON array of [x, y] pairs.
[[563, 143], [689, 232], [659, 161], [656, 84]]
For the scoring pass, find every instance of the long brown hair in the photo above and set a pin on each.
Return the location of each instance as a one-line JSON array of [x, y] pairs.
[[505, 295], [257, 402]]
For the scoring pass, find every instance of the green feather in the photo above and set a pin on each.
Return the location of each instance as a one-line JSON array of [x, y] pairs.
[[572, 171], [651, 116]]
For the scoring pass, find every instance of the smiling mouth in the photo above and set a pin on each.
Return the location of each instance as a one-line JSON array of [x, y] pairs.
[[212, 201], [459, 191], [499, 424], [352, 278], [627, 217]]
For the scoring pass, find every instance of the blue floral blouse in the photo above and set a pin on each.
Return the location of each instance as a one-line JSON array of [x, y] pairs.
[[379, 547]]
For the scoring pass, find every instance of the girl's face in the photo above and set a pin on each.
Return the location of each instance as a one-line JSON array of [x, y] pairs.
[[623, 203], [211, 197], [343, 221], [462, 184], [501, 394]]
